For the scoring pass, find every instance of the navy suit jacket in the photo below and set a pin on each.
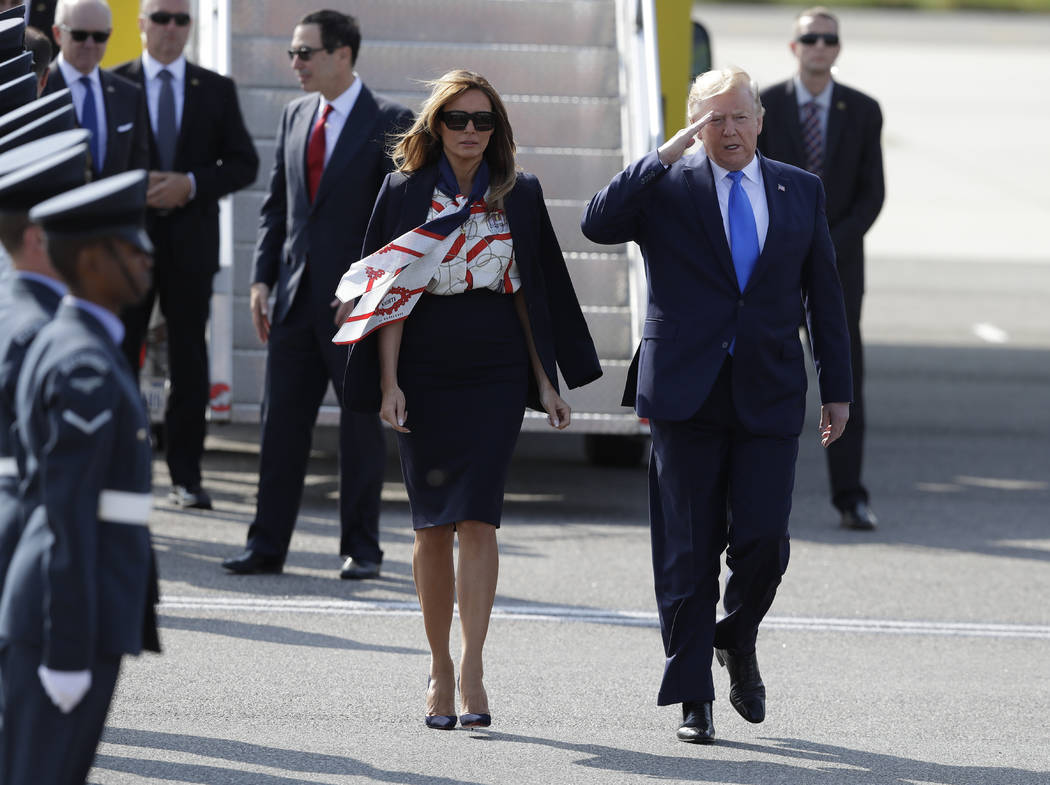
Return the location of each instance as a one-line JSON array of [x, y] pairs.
[[82, 581], [326, 234], [695, 305], [127, 129], [559, 330], [214, 145], [853, 177], [30, 307]]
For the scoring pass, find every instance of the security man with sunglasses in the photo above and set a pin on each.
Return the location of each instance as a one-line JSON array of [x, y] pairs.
[[835, 132], [200, 151], [329, 164], [109, 106]]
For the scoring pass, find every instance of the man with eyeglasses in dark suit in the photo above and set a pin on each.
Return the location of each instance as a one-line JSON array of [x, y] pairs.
[[109, 106], [329, 165], [834, 131], [200, 151]]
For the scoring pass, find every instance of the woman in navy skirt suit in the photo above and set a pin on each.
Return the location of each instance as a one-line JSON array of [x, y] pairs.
[[484, 340]]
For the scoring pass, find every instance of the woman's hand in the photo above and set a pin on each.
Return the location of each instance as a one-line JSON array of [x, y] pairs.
[[558, 412], [392, 410]]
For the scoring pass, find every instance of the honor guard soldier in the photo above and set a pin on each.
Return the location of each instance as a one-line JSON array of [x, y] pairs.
[[82, 584], [33, 295]]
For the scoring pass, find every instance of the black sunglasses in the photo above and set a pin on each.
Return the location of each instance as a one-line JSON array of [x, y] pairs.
[[457, 121], [304, 53], [163, 17], [80, 36], [829, 39]]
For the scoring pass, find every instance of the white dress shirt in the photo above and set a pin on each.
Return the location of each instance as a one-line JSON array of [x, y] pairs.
[[756, 192], [177, 69], [72, 78], [341, 108]]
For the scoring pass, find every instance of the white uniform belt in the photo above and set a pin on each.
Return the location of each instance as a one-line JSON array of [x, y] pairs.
[[8, 467], [125, 507]]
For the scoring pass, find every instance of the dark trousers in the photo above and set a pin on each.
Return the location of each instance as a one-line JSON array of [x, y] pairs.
[[714, 485], [39, 744], [846, 454], [301, 362], [184, 290]]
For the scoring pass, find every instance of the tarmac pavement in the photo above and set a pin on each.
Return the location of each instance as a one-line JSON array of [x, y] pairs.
[[918, 653]]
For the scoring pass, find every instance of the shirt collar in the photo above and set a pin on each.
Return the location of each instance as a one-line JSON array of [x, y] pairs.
[[753, 171], [345, 102], [803, 95], [53, 284], [71, 75], [151, 67], [110, 321]]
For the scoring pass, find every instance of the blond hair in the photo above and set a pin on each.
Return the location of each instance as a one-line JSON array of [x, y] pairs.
[[717, 82]]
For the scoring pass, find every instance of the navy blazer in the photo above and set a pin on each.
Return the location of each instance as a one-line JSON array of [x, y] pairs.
[[127, 128], [853, 176], [326, 234], [215, 146], [82, 581], [695, 306], [558, 327], [30, 306]]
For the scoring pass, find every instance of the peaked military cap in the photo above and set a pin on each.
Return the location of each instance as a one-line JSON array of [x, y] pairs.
[[54, 174], [112, 207], [64, 119], [18, 92], [15, 12], [12, 37], [17, 66], [17, 118], [34, 151]]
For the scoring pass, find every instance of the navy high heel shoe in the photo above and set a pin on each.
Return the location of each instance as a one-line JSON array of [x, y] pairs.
[[439, 721], [474, 720]]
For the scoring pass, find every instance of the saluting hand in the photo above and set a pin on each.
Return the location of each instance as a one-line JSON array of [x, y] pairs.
[[833, 419], [675, 147]]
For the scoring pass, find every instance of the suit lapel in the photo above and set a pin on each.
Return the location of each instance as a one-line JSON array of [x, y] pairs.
[[701, 184], [298, 139], [109, 94], [137, 74], [836, 121], [794, 122], [776, 191], [191, 107], [55, 81], [418, 195], [354, 134]]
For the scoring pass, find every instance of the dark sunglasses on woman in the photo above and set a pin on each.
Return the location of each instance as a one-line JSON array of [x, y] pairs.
[[457, 121], [163, 17]]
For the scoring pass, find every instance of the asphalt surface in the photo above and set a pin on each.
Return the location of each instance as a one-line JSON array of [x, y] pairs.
[[918, 653]]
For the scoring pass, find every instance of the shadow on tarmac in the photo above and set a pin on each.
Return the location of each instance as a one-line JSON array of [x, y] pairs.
[[238, 752], [846, 766]]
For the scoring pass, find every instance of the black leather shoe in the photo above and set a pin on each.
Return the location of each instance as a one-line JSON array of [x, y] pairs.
[[358, 570], [747, 693], [253, 563], [859, 517], [697, 725]]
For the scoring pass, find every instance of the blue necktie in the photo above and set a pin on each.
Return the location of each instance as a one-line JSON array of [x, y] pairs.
[[166, 121], [743, 234], [89, 121]]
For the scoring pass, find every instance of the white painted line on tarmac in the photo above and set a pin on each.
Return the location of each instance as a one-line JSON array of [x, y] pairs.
[[622, 618], [990, 333]]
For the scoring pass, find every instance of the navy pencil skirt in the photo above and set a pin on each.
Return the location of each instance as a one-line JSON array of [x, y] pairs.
[[463, 367]]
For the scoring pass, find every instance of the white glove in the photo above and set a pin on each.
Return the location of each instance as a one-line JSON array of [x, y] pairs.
[[64, 688]]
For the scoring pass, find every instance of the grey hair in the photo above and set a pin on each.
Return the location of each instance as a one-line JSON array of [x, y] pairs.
[[64, 6]]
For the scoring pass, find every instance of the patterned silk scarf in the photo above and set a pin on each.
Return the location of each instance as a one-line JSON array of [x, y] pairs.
[[391, 281]]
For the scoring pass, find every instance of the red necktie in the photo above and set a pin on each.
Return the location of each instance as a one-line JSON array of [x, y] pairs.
[[315, 153]]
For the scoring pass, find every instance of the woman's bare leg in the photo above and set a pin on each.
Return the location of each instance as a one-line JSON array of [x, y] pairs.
[[432, 569], [476, 586]]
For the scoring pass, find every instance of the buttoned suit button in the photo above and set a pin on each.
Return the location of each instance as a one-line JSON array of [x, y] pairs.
[[725, 344]]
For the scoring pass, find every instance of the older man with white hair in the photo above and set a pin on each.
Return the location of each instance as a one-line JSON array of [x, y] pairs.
[[109, 106]]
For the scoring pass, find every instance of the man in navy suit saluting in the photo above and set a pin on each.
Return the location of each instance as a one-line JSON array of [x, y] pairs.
[[330, 162], [736, 249]]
